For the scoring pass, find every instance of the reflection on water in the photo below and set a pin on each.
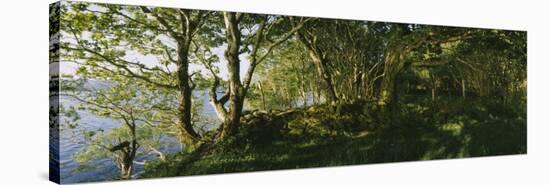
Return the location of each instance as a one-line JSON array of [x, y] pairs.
[[103, 169]]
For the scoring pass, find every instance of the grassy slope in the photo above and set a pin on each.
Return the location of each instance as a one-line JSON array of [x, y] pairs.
[[454, 130]]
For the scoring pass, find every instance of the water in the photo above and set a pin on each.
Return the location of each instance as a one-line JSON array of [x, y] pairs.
[[104, 169]]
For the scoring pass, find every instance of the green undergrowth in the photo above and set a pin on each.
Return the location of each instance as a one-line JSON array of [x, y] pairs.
[[358, 133]]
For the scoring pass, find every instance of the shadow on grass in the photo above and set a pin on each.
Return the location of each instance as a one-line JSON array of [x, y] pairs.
[[434, 133]]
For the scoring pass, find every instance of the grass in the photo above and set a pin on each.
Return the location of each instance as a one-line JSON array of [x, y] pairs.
[[420, 131]]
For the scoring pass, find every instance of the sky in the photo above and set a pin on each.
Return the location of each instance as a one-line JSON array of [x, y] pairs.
[[151, 60]]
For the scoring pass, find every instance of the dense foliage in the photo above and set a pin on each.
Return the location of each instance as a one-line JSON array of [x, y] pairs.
[[289, 92]]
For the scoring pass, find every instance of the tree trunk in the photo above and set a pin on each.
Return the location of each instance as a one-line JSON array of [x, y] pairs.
[[393, 65], [231, 122], [187, 134], [125, 155], [262, 94], [463, 83], [126, 171], [357, 79], [321, 66]]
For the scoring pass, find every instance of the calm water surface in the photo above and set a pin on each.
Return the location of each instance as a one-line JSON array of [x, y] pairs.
[[103, 169]]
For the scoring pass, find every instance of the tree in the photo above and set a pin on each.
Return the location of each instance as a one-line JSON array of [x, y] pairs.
[[347, 52], [135, 127], [264, 33], [112, 42], [310, 39], [286, 80], [401, 40]]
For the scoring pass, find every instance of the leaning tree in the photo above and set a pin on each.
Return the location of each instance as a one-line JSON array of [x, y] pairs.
[[148, 45]]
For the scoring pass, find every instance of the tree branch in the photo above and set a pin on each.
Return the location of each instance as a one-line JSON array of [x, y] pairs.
[[163, 22], [255, 60]]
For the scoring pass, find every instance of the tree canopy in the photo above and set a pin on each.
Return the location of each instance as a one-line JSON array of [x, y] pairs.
[[273, 75]]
